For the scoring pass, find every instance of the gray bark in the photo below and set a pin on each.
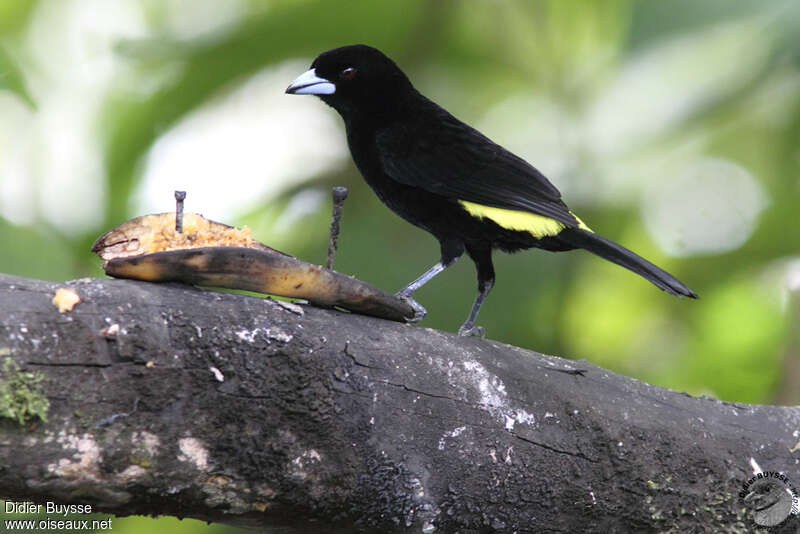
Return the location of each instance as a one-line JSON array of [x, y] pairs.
[[326, 421]]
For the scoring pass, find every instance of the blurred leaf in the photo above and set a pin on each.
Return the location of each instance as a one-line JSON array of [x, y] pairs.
[[616, 318], [11, 78], [171, 525], [736, 352], [286, 32], [14, 15], [656, 21], [28, 252]]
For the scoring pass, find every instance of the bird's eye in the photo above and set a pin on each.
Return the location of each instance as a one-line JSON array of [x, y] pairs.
[[347, 74]]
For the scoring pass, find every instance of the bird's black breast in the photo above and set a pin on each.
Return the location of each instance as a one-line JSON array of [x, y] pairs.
[[426, 210]]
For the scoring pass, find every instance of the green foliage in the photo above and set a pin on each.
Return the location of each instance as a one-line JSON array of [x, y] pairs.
[[21, 395], [14, 15], [612, 98], [207, 67], [173, 525], [31, 252], [11, 79], [738, 352]]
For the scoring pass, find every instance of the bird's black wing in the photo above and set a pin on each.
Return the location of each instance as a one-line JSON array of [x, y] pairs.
[[434, 151]]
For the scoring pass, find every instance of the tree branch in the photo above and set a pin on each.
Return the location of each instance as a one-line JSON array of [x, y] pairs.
[[230, 408]]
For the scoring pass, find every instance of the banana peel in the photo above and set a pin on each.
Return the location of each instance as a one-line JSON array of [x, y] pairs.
[[209, 253]]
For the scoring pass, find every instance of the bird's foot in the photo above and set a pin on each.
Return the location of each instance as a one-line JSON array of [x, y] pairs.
[[468, 329], [419, 311]]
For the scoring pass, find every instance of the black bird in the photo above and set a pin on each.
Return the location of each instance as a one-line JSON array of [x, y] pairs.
[[449, 179]]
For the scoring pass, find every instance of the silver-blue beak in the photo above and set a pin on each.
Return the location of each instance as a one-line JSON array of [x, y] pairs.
[[309, 83]]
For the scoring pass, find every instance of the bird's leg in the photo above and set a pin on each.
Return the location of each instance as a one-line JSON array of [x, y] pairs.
[[451, 251], [469, 328], [422, 280], [406, 292], [482, 255]]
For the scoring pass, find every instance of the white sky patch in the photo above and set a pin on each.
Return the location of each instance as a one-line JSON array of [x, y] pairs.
[[663, 84], [18, 199], [194, 19], [232, 154], [711, 206], [243, 147], [549, 140], [65, 133], [617, 148], [304, 203], [52, 161], [793, 278]]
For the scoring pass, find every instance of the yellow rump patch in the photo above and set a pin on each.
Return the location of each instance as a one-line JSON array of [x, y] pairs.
[[537, 225], [581, 224]]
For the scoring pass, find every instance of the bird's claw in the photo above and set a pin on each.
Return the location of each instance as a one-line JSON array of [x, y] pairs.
[[472, 330], [419, 311]]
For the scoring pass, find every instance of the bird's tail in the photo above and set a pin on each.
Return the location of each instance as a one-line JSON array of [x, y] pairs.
[[620, 255]]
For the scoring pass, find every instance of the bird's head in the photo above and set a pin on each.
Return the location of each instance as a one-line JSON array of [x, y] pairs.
[[354, 78]]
